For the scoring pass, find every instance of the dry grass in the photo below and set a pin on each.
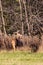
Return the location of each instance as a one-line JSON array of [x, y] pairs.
[[9, 42], [41, 46]]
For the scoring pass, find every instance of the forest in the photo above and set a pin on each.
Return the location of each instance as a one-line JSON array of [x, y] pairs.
[[21, 20]]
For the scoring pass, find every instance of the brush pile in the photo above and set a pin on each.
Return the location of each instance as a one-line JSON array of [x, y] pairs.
[[22, 42]]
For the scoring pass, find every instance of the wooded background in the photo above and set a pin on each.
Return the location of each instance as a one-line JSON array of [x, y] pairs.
[[23, 15]]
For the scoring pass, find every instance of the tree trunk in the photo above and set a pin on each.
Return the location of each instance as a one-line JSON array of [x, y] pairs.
[[22, 29], [24, 2], [21, 15], [3, 22]]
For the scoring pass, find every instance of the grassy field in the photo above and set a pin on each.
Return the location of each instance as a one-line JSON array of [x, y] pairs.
[[21, 58]]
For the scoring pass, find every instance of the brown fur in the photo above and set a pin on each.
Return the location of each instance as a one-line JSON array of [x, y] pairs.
[[13, 42], [9, 42]]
